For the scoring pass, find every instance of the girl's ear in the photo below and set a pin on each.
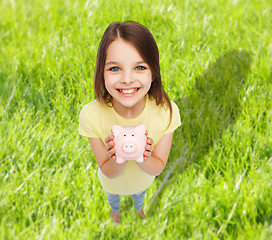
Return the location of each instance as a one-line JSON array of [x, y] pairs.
[[141, 128], [116, 129]]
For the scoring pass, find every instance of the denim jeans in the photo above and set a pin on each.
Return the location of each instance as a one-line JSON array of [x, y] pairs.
[[114, 200]]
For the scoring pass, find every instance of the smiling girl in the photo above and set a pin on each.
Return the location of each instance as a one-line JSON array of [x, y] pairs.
[[129, 92]]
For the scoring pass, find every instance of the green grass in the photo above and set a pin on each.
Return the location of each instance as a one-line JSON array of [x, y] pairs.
[[216, 59]]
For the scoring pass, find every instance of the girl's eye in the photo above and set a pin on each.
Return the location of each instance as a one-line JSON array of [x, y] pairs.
[[140, 68], [115, 69]]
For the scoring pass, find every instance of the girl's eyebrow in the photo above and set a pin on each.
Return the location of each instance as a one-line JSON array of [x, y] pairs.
[[116, 63], [141, 62], [111, 63]]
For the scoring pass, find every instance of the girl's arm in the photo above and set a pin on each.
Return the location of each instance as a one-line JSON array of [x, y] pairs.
[[156, 158], [105, 156]]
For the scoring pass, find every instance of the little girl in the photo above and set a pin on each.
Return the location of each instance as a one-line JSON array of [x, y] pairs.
[[128, 88]]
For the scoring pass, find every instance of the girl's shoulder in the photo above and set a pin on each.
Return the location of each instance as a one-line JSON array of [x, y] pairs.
[[162, 109], [164, 113], [93, 111], [94, 106]]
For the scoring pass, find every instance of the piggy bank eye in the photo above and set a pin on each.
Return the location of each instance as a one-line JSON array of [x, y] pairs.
[[125, 135], [132, 135]]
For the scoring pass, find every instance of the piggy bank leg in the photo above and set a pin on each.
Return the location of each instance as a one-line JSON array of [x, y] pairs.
[[140, 159], [120, 160]]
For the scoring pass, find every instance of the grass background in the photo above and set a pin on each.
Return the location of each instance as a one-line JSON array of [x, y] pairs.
[[216, 65]]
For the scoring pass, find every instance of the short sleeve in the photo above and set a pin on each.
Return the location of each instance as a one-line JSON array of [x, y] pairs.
[[87, 123], [175, 121]]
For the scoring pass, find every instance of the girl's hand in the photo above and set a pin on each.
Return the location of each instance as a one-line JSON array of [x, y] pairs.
[[148, 147], [109, 146]]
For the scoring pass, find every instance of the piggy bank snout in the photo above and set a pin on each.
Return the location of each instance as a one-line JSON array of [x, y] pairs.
[[129, 147]]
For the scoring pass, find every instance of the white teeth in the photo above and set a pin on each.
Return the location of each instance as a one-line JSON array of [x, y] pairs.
[[128, 90]]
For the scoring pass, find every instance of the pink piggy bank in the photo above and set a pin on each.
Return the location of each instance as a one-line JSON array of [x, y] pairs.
[[129, 143]]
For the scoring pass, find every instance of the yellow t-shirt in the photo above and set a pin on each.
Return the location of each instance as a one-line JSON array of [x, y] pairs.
[[96, 120]]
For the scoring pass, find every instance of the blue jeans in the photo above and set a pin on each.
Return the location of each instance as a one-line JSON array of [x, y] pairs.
[[114, 200]]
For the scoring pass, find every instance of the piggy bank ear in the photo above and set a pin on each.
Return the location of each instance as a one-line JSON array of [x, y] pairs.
[[116, 129], [141, 128]]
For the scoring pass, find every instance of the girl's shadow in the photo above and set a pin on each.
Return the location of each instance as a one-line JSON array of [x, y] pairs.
[[212, 107]]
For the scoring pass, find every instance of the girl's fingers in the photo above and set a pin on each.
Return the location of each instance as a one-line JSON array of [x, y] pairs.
[[149, 141], [147, 154], [109, 145], [149, 148], [112, 152], [109, 138]]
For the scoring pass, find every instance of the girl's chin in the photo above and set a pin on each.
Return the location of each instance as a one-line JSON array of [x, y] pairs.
[[128, 102]]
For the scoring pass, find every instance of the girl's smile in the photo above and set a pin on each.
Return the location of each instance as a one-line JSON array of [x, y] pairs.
[[128, 92], [127, 78]]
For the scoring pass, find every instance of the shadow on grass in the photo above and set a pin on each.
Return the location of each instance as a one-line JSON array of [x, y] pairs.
[[213, 105]]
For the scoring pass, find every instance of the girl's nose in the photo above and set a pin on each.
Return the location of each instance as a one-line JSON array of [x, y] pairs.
[[127, 78]]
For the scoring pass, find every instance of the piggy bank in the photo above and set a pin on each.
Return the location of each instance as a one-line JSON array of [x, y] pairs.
[[129, 143]]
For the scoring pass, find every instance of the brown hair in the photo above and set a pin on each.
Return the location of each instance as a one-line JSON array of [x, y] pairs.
[[142, 39]]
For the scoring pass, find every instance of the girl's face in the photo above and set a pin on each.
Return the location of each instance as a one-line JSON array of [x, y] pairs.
[[127, 77]]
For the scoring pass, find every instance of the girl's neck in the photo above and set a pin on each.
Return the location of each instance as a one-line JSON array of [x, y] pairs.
[[129, 112]]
